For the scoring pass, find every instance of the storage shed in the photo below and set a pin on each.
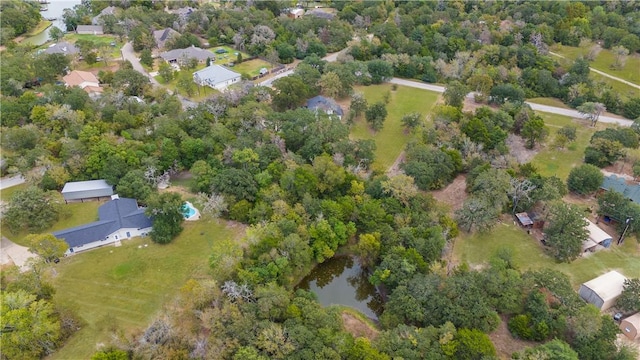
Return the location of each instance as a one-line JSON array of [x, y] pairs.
[[597, 239], [604, 290], [631, 326], [86, 190]]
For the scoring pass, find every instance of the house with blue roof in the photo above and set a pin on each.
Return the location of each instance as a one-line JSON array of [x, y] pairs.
[[118, 219], [619, 184], [325, 105]]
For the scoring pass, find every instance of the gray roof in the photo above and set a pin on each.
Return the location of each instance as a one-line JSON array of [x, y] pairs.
[[188, 53], [114, 215], [62, 47], [91, 28], [109, 10], [183, 11], [325, 104], [619, 184], [215, 74], [163, 35], [86, 189]]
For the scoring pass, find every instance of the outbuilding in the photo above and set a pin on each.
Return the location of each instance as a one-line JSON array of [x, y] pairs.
[[631, 326], [598, 239], [604, 290], [86, 190]]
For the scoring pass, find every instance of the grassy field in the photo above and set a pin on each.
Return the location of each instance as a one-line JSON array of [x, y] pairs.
[[477, 249], [603, 62], [229, 56], [551, 161], [42, 26], [6, 194], [127, 286], [392, 139], [251, 67]]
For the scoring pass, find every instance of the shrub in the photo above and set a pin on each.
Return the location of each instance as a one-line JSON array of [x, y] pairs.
[[584, 179], [519, 327]]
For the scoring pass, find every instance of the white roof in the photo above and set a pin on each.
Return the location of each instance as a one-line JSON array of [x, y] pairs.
[[607, 286], [215, 74], [85, 185], [596, 236]]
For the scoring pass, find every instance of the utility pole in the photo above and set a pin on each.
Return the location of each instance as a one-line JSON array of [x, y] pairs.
[[626, 227]]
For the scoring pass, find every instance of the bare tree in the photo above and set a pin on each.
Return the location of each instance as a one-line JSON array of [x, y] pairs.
[[591, 111], [213, 205], [621, 54], [519, 190]]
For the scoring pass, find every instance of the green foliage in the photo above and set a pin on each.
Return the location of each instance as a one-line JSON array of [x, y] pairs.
[[146, 58], [554, 349], [18, 17], [31, 209], [629, 300], [376, 115], [47, 246], [166, 211], [431, 168], [585, 179], [291, 92], [534, 131], [473, 344], [566, 230], [455, 94], [603, 152], [111, 354]]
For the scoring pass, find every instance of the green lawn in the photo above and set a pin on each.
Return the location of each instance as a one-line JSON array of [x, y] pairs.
[[251, 67], [477, 249], [200, 92], [126, 287], [551, 161], [6, 194], [229, 56], [624, 90], [42, 26], [392, 139]]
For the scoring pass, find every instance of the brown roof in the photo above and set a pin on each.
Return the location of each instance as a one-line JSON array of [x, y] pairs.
[[77, 77]]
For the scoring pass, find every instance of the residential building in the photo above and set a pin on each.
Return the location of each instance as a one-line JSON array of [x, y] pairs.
[[161, 36], [118, 219], [85, 80], [216, 76], [62, 47], [326, 105], [619, 184], [109, 10], [181, 56]]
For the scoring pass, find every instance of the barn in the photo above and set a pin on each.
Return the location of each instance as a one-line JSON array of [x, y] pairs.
[[604, 290], [631, 326], [598, 238], [86, 190]]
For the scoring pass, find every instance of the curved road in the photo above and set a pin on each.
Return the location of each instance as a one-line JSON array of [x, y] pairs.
[[602, 73]]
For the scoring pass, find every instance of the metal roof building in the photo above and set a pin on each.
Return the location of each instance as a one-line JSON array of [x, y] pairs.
[[619, 184], [597, 237], [631, 326], [216, 76], [604, 290], [83, 190]]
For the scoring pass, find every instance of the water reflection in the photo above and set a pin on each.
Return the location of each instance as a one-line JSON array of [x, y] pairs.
[[341, 281]]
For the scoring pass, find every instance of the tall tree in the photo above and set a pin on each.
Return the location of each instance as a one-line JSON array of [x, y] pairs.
[[291, 92], [31, 209], [47, 246], [629, 300], [584, 179], [455, 93], [166, 212], [566, 230], [592, 111], [376, 115]]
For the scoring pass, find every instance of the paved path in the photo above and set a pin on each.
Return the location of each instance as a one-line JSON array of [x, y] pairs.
[[538, 107], [12, 253], [130, 55], [603, 73], [7, 182]]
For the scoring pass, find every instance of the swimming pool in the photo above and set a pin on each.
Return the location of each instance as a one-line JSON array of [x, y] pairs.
[[188, 210]]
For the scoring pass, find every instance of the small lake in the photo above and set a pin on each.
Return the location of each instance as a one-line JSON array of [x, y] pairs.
[[341, 281], [55, 9]]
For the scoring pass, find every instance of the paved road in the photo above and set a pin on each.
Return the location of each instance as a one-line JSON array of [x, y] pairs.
[[130, 55], [537, 107], [602, 73], [329, 58], [8, 182]]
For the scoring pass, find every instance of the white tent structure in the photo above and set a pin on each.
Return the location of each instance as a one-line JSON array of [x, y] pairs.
[[604, 290], [631, 326], [597, 239]]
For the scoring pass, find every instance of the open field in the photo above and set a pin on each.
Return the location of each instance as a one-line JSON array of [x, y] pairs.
[[603, 62], [551, 161], [392, 139], [6, 194], [477, 249], [126, 287], [251, 67]]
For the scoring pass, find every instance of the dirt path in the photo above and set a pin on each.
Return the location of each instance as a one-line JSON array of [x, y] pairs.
[[506, 344], [357, 327], [453, 194], [394, 169]]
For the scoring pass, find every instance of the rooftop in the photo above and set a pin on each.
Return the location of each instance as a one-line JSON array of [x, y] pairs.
[[215, 74], [85, 185], [325, 104], [77, 77], [62, 47], [619, 184], [188, 53], [607, 286]]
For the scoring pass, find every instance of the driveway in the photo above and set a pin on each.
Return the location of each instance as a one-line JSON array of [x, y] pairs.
[[7, 182], [12, 253]]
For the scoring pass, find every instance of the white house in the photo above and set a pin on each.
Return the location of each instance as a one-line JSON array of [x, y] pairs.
[[118, 219], [216, 76]]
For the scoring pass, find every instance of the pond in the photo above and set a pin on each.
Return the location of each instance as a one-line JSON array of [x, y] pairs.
[[341, 281], [55, 9]]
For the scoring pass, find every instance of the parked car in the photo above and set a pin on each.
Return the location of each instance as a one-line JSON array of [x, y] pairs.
[[221, 51]]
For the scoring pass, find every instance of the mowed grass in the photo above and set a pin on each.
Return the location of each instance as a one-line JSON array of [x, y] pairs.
[[251, 67], [603, 62], [478, 248], [392, 139], [229, 56], [551, 161], [126, 287]]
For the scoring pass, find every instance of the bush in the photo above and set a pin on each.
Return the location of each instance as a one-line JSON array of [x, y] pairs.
[[584, 179], [519, 327]]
